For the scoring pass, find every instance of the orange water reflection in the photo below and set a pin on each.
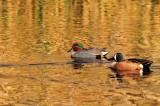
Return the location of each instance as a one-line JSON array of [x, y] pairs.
[[36, 31]]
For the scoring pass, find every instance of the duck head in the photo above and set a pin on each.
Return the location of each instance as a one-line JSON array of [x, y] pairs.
[[117, 57], [76, 47]]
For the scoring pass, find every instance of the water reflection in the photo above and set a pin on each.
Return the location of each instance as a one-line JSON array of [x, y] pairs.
[[79, 63], [76, 65], [155, 2], [4, 14], [78, 14], [34, 38]]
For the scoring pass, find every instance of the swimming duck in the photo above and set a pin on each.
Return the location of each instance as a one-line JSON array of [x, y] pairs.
[[78, 51], [130, 66]]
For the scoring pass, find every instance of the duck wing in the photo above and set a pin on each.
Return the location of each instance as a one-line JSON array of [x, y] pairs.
[[146, 64], [98, 51], [83, 54], [141, 61]]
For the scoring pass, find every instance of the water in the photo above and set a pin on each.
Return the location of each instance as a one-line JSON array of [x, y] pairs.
[[36, 70]]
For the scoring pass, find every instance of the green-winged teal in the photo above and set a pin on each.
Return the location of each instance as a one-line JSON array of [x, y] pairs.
[[78, 51]]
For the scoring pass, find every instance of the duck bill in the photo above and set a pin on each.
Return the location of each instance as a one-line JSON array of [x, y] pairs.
[[70, 50], [110, 59]]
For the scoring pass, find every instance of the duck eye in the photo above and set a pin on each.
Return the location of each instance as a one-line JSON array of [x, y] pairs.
[[77, 45]]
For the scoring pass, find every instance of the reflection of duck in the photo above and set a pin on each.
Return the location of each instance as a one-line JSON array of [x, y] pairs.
[[80, 62], [130, 66], [92, 53], [77, 65]]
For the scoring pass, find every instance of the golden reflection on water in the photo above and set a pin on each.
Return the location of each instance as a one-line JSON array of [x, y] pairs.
[[35, 31]]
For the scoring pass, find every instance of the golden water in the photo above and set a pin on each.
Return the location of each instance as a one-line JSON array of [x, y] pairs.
[[42, 31]]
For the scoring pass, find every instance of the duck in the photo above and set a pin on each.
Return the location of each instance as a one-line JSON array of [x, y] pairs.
[[79, 52], [131, 66]]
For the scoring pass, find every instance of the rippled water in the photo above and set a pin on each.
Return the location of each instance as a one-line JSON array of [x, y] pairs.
[[36, 70]]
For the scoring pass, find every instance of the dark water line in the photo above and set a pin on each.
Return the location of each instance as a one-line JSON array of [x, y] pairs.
[[50, 63], [155, 67], [36, 64], [60, 63], [6, 65]]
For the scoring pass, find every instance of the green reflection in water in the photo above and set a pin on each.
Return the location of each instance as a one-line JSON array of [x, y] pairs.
[[5, 20], [155, 1], [153, 14], [4, 14], [41, 45], [139, 25], [38, 11], [68, 10], [20, 15], [78, 15]]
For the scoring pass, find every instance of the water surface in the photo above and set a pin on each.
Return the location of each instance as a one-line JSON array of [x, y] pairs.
[[35, 36]]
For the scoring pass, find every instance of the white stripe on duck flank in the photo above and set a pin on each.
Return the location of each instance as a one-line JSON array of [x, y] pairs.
[[141, 71]]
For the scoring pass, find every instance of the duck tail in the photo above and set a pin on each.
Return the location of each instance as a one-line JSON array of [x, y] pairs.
[[146, 67], [105, 55]]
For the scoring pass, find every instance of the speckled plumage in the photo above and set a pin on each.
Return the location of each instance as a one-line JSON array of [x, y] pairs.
[[80, 52]]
